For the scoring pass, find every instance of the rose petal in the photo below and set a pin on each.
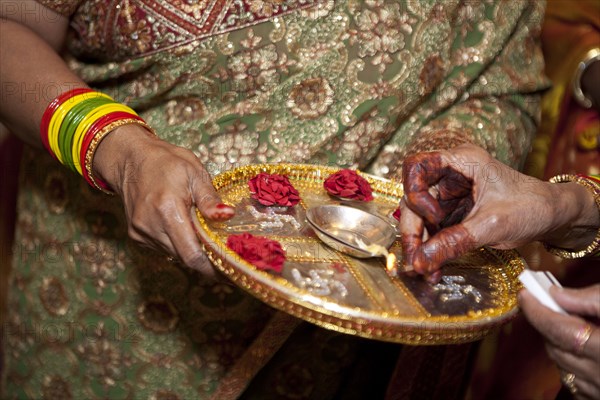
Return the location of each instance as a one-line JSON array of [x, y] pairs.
[[273, 189], [263, 253], [348, 184]]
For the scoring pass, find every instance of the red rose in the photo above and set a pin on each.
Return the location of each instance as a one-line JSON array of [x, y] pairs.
[[348, 184], [397, 214], [259, 251], [273, 189]]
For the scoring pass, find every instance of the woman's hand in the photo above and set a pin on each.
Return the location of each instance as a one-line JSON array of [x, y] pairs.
[[159, 183], [462, 199], [571, 341]]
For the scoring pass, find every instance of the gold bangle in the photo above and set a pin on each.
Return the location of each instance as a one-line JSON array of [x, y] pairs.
[[91, 150], [593, 247], [593, 55]]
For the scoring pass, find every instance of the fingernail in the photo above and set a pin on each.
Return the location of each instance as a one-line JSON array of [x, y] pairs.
[[434, 277], [221, 212]]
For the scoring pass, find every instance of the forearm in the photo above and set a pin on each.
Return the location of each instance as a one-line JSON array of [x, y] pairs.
[[32, 75]]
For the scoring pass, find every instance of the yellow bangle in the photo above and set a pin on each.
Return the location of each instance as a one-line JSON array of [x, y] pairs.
[[59, 116], [593, 247], [87, 122]]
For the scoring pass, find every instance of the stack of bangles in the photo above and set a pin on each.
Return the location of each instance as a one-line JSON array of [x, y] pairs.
[[592, 183], [75, 123]]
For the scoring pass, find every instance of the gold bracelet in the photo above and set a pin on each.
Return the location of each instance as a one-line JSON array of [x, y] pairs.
[[91, 150], [593, 247], [593, 55]]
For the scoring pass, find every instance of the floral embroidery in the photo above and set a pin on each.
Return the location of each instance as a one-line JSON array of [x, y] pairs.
[[114, 34], [235, 145], [55, 387], [184, 110], [103, 358], [158, 315], [102, 262], [265, 8], [360, 141], [54, 297], [310, 98], [256, 69], [139, 33], [55, 190], [379, 32]]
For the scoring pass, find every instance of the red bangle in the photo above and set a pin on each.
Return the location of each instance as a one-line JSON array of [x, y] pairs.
[[54, 104], [98, 137], [91, 133], [592, 178]]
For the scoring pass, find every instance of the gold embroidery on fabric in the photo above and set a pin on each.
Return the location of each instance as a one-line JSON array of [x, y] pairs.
[[158, 315], [56, 192], [184, 110], [55, 387], [163, 394], [103, 358], [104, 262], [310, 98], [54, 297], [64, 7], [379, 32]]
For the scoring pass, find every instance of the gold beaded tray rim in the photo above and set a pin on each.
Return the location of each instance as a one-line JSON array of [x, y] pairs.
[[423, 330]]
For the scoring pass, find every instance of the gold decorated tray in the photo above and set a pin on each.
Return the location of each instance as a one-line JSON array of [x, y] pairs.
[[355, 295]]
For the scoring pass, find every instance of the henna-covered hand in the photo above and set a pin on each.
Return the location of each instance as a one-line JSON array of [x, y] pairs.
[[460, 199]]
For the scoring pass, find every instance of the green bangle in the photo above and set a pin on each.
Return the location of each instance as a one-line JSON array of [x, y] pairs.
[[69, 126]]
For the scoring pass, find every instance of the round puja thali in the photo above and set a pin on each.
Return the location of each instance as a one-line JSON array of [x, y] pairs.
[[276, 254]]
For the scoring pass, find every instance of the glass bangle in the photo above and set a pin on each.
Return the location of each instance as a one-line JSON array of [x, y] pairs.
[[70, 123], [51, 108], [59, 116], [91, 132], [89, 119], [89, 154]]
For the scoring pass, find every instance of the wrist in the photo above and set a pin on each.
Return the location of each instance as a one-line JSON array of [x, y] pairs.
[[117, 150], [577, 216]]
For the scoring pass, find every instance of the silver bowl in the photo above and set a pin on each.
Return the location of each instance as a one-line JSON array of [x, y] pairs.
[[351, 230]]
